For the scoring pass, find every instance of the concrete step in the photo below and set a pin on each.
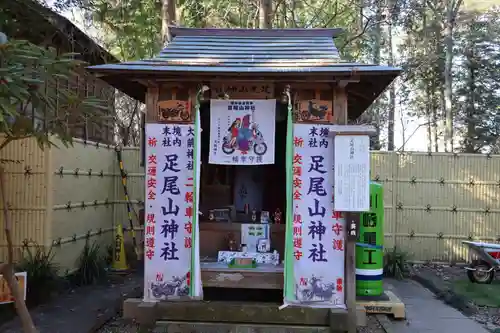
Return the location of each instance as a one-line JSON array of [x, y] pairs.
[[184, 327], [239, 314], [245, 312]]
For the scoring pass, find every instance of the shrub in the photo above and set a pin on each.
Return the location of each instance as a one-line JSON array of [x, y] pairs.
[[91, 265], [43, 278], [396, 263]]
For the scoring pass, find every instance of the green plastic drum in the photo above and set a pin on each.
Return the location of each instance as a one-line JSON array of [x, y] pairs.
[[369, 249]]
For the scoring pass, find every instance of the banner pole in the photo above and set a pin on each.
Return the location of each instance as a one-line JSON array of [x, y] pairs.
[[197, 164], [288, 263]]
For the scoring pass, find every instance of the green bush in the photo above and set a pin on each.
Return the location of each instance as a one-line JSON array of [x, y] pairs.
[[396, 263], [42, 272], [91, 265]]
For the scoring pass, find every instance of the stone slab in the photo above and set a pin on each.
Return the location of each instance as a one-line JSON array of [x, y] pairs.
[[183, 327], [241, 312], [390, 304]]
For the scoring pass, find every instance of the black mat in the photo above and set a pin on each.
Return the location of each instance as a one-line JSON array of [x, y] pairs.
[[243, 295]]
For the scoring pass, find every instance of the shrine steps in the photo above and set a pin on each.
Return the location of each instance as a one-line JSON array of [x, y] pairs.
[[237, 317], [182, 327]]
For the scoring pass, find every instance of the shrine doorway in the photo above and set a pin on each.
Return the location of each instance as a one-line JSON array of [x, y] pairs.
[[261, 187]]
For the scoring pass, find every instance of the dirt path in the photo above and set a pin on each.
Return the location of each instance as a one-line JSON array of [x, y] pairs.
[[81, 309]]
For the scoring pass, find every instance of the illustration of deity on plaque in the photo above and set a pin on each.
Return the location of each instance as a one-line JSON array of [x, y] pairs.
[[244, 135]]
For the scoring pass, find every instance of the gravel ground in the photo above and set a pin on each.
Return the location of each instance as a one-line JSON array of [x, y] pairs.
[[489, 317], [118, 325], [372, 326]]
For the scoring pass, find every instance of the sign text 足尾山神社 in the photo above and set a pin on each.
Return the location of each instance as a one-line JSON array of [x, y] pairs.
[[170, 209], [352, 173], [242, 132], [317, 278]]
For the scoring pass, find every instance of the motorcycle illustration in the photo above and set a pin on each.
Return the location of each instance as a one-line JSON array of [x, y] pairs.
[[176, 287], [315, 288], [255, 141], [314, 111], [173, 110]]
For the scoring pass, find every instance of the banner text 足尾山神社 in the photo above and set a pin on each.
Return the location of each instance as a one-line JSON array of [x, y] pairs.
[[315, 268], [170, 212]]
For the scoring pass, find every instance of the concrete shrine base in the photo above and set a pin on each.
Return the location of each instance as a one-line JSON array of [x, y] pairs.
[[238, 317], [388, 303]]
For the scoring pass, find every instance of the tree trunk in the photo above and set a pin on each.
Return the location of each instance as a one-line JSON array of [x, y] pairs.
[[434, 111], [435, 126], [428, 90], [392, 89], [167, 17], [441, 66], [283, 16], [471, 90], [7, 270], [428, 116], [452, 8], [377, 34], [448, 42], [265, 14]]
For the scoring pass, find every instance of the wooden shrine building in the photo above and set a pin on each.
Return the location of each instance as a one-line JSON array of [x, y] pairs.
[[299, 69]]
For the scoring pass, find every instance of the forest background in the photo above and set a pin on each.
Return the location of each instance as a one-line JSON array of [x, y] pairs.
[[447, 98]]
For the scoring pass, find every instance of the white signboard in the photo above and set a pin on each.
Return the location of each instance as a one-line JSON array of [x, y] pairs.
[[317, 277], [242, 132], [352, 173], [169, 212], [251, 234]]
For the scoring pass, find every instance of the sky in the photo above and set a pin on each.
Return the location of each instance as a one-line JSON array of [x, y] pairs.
[[415, 132]]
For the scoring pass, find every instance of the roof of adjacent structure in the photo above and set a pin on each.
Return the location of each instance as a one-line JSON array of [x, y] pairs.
[[263, 52], [33, 21]]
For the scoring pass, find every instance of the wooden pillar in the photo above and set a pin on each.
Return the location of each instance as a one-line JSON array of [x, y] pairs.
[[152, 104], [340, 116], [340, 105]]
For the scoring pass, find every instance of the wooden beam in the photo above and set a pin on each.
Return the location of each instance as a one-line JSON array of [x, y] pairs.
[[352, 130], [147, 83], [304, 85]]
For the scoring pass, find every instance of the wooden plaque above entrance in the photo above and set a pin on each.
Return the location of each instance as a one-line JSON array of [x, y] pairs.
[[314, 110], [174, 111], [221, 90]]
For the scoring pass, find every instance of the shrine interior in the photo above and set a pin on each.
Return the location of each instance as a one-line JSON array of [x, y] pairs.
[[222, 184], [227, 188]]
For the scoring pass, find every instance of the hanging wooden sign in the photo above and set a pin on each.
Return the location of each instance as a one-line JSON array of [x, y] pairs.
[[314, 110], [221, 90], [174, 111]]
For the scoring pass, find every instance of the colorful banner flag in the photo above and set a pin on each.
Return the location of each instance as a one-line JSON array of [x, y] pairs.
[[171, 211], [242, 132], [314, 261]]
